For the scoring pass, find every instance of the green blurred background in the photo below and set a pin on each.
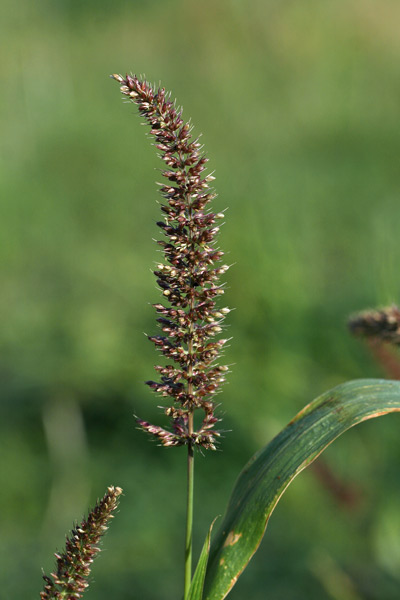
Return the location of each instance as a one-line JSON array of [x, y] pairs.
[[298, 102]]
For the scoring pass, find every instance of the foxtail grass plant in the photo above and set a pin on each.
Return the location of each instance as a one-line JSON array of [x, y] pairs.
[[190, 374], [189, 279], [70, 578]]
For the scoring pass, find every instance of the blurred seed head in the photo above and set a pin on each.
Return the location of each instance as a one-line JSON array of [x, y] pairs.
[[382, 324]]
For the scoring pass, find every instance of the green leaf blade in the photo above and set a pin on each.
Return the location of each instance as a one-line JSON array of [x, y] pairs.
[[197, 585], [267, 475]]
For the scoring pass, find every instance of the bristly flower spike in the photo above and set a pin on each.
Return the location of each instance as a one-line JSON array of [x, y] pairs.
[[188, 277], [69, 581]]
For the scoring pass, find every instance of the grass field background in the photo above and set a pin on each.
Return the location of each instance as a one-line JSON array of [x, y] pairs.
[[299, 106]]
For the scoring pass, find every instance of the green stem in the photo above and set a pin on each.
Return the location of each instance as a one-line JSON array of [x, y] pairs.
[[190, 460], [189, 521]]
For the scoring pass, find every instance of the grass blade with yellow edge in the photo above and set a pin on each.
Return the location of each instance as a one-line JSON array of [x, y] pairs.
[[270, 471]]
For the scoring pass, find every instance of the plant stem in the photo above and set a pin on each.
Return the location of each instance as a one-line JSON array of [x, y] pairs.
[[190, 460], [189, 520]]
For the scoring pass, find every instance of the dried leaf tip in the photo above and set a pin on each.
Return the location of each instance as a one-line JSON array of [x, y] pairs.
[[69, 581]]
